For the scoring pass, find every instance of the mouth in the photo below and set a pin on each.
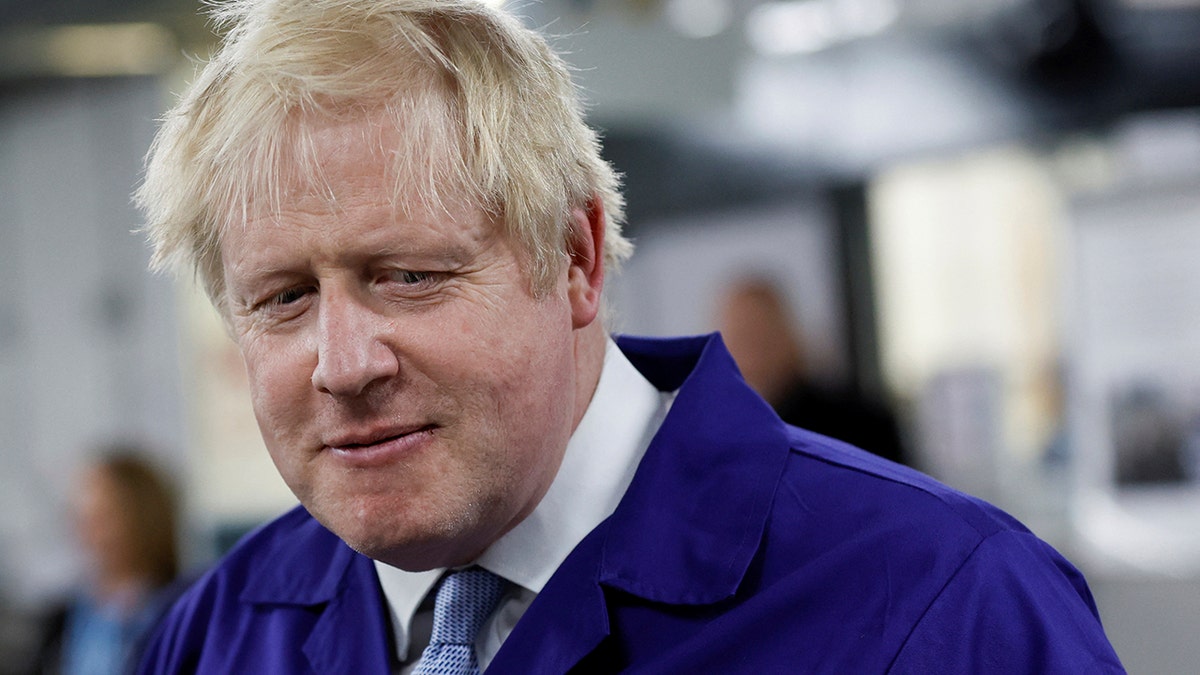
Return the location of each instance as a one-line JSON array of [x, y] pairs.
[[380, 448]]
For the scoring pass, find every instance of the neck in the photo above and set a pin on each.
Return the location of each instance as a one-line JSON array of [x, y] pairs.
[[590, 344]]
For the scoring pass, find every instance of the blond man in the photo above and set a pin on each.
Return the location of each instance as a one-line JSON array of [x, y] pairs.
[[399, 212]]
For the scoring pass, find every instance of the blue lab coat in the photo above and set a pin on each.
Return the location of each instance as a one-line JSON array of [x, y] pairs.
[[742, 546]]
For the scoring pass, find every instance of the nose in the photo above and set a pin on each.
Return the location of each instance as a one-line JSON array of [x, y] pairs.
[[352, 349]]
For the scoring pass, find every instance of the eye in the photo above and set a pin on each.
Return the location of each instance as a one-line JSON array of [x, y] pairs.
[[284, 299], [407, 285], [287, 297], [411, 277]]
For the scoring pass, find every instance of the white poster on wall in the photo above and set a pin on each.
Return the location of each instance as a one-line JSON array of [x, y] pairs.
[[1134, 308]]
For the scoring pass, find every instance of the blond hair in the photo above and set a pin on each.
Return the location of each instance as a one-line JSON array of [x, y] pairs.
[[489, 113]]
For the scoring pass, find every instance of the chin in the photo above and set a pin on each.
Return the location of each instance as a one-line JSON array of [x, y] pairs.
[[418, 555], [402, 536]]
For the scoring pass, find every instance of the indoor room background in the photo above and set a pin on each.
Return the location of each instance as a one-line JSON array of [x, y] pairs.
[[985, 212]]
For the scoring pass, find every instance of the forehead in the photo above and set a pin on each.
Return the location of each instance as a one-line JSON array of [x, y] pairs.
[[338, 161], [355, 192], [410, 158]]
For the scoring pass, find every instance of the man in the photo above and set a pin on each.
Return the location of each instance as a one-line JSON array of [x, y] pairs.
[[759, 331], [396, 207]]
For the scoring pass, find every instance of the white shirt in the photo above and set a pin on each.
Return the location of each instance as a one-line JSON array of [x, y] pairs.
[[598, 465]]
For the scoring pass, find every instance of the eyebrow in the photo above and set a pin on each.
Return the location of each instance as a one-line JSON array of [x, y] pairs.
[[455, 255]]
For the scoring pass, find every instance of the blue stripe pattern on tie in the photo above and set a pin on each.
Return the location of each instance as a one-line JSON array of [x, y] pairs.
[[464, 601]]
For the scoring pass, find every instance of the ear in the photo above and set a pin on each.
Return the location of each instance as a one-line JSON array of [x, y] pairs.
[[585, 276]]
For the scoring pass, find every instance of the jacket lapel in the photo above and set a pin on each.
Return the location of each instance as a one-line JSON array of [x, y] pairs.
[[688, 526], [694, 515], [566, 621], [310, 570], [351, 634]]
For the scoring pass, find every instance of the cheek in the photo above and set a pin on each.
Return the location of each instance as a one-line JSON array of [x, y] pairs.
[[505, 366], [526, 343], [534, 373], [279, 379], [505, 335]]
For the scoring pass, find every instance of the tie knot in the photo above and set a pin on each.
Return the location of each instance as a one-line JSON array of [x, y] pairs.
[[464, 601]]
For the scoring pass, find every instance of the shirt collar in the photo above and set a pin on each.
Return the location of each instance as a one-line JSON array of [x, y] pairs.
[[404, 592], [598, 466]]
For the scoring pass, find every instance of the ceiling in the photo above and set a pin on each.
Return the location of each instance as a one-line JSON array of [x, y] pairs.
[[1063, 64], [1135, 52]]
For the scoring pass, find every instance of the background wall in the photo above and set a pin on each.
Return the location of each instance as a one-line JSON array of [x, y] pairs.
[[986, 208], [89, 345]]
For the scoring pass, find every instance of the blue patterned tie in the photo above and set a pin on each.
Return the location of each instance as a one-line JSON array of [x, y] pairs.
[[464, 601]]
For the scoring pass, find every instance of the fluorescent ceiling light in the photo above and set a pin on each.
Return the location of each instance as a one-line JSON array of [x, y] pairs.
[[805, 26], [698, 18], [88, 50]]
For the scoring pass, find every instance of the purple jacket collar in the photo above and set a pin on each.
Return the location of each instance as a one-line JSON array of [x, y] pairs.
[[692, 519], [681, 535], [352, 632]]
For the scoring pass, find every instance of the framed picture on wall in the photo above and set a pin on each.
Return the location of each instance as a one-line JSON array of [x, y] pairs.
[[1133, 304]]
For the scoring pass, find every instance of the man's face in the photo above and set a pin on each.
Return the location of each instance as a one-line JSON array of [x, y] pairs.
[[411, 389]]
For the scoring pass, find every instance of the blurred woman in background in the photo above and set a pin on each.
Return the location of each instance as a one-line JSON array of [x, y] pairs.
[[124, 512]]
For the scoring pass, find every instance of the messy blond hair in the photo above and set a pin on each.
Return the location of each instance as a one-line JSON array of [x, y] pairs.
[[488, 112]]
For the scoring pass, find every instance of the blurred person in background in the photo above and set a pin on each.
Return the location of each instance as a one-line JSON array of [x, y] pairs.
[[760, 331], [400, 213], [124, 517]]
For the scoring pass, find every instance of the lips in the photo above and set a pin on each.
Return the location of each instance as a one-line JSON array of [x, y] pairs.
[[351, 440], [382, 447]]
